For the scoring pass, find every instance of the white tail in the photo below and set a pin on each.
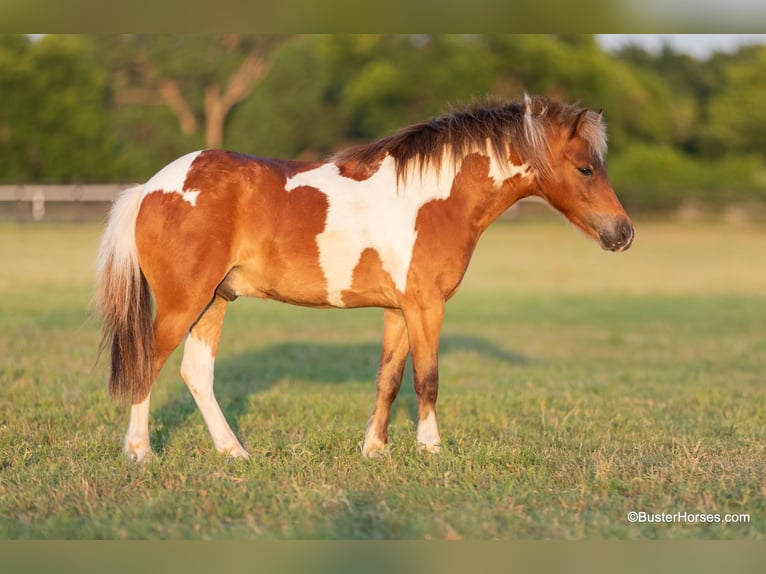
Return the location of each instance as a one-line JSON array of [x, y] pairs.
[[124, 302]]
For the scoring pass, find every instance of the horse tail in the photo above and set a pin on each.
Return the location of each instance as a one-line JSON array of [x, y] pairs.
[[123, 301]]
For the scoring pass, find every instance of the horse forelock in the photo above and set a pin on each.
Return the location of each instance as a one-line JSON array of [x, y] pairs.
[[488, 126], [545, 116], [593, 131]]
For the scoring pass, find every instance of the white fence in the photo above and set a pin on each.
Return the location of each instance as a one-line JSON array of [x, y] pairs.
[[91, 202], [34, 201]]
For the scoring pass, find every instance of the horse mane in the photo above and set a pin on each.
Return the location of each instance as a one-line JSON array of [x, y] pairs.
[[489, 125]]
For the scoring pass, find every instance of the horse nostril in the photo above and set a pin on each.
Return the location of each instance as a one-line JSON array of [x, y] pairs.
[[617, 237], [626, 234]]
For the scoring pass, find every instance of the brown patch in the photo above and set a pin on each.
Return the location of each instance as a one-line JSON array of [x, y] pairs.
[[359, 170], [274, 250], [427, 389], [371, 285], [448, 229], [515, 158]]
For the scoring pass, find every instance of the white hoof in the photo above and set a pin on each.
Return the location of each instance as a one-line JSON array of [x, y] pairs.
[[138, 451], [429, 448], [374, 448], [428, 435], [235, 451]]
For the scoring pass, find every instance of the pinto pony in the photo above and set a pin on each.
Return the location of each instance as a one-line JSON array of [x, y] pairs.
[[392, 224]]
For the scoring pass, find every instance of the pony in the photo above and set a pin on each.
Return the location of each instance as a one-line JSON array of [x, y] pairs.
[[389, 224]]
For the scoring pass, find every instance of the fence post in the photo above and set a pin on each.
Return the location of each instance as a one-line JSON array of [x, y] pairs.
[[38, 204]]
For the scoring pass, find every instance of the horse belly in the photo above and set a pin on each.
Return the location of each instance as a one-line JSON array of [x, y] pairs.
[[293, 278]]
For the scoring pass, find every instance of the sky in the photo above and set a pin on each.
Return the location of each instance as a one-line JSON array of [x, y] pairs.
[[697, 45]]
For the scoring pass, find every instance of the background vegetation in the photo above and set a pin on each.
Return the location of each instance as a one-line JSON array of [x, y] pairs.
[[577, 386], [115, 108]]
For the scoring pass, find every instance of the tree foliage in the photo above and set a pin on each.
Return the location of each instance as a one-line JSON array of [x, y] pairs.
[[53, 111], [82, 108]]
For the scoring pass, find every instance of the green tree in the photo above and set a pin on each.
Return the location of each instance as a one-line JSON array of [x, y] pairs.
[[637, 105], [199, 79], [53, 114], [289, 114], [737, 114], [381, 83]]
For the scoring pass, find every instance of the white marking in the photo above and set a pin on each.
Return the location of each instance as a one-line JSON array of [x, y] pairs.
[[373, 444], [502, 170], [377, 213], [374, 213], [197, 371], [171, 178], [428, 434], [137, 445]]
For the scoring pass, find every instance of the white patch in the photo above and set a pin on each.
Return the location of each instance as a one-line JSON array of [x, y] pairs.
[[197, 371], [501, 169], [137, 445], [373, 445], [428, 433], [171, 178], [374, 213]]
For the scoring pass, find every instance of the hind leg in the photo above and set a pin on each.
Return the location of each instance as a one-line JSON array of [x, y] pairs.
[[197, 371], [137, 445], [169, 329]]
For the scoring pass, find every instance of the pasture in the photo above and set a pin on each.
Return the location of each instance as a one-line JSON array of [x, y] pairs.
[[576, 386]]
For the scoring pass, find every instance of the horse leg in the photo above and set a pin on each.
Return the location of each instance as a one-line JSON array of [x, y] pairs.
[[197, 371], [169, 329], [424, 326], [393, 357], [171, 322], [137, 445]]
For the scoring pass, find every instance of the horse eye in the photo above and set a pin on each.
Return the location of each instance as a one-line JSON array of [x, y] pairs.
[[585, 170]]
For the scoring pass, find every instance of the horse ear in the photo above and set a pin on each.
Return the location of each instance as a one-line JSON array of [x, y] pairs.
[[578, 123]]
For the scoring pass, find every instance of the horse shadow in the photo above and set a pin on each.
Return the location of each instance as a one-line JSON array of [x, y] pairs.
[[239, 377]]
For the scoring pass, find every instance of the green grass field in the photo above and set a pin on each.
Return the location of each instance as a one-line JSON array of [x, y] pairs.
[[577, 386]]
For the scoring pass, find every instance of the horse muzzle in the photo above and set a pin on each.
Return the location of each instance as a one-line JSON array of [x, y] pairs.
[[619, 237]]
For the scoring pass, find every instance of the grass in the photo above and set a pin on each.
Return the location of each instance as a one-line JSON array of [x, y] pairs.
[[577, 386]]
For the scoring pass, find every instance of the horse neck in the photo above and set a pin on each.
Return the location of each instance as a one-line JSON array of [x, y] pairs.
[[484, 190]]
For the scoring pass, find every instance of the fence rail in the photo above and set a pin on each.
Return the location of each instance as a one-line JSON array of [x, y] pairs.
[[91, 202], [25, 201]]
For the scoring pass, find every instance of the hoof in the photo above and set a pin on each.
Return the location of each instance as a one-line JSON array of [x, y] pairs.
[[138, 452], [375, 449], [429, 448], [235, 451], [374, 446]]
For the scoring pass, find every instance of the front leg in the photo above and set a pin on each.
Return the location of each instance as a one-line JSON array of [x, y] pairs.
[[393, 357], [424, 326]]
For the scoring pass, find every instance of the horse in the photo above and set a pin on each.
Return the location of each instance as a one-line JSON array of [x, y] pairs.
[[389, 224]]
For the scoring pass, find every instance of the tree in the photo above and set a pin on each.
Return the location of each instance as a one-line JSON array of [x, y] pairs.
[[53, 112], [736, 114], [199, 79], [382, 83]]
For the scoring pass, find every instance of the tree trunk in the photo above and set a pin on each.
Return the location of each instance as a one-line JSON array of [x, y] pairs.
[[240, 85], [215, 116]]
